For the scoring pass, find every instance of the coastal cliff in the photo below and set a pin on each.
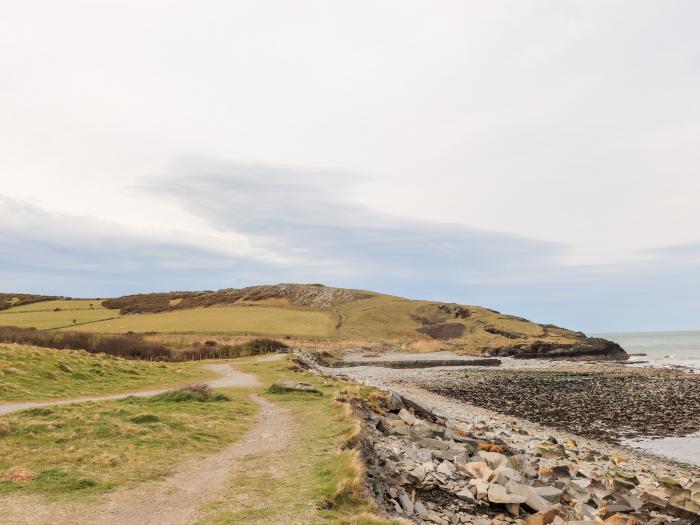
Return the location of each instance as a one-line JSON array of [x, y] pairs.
[[367, 319]]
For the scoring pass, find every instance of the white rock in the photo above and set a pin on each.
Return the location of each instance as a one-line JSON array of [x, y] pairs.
[[406, 503], [498, 494], [476, 470], [407, 417], [446, 468], [493, 459], [481, 486], [466, 495]]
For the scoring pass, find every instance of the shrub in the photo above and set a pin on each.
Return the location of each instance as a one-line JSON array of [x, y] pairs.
[[131, 346], [63, 367], [144, 419], [197, 392]]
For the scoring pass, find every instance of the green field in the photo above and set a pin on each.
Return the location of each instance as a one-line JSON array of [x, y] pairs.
[[63, 304], [90, 448], [253, 320], [412, 325], [81, 451], [31, 373], [56, 314]]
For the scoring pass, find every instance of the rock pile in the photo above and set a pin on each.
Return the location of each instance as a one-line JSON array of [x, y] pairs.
[[433, 471]]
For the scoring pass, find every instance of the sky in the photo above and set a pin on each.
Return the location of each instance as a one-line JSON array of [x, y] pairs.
[[539, 157]]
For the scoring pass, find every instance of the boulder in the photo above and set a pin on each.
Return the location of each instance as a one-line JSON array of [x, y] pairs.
[[544, 517], [498, 494], [481, 487], [446, 468], [476, 470], [493, 459], [294, 386], [549, 493], [407, 417], [425, 429], [533, 500], [622, 519], [466, 495], [393, 402], [406, 504]]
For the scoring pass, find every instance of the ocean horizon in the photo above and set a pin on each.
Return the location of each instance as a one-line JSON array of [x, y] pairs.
[[664, 349]]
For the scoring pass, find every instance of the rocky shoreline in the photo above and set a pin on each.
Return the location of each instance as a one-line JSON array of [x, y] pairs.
[[444, 461], [603, 401], [605, 405]]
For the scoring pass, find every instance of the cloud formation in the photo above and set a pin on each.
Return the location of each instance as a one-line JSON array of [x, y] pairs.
[[301, 226]]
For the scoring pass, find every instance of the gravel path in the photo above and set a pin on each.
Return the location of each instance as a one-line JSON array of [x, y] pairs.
[[177, 499], [228, 377]]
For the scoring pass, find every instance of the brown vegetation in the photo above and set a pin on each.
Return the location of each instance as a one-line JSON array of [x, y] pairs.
[[8, 300], [127, 346], [443, 331], [132, 346], [299, 295]]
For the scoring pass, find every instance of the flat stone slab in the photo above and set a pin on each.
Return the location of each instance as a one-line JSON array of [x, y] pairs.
[[294, 386], [420, 363]]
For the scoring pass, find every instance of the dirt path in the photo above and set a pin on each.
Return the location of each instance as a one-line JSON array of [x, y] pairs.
[[173, 501], [228, 377]]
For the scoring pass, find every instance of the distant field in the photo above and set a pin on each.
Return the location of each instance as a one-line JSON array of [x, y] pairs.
[[32, 373], [73, 304], [254, 320], [44, 314], [419, 326]]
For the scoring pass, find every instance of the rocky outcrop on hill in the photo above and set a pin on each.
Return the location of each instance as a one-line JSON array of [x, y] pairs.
[[585, 348], [315, 296]]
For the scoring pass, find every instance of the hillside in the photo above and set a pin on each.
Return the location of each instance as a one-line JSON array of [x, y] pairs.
[[353, 317], [9, 300]]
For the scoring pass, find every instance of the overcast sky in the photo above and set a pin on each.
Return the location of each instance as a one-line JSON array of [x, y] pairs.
[[539, 157]]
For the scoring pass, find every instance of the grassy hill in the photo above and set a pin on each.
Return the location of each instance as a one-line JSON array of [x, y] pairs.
[[32, 373], [311, 312]]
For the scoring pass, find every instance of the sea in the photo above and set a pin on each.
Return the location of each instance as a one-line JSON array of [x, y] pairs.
[[667, 350], [662, 349]]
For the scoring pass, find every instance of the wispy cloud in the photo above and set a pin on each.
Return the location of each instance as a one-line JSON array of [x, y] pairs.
[[300, 225], [307, 217]]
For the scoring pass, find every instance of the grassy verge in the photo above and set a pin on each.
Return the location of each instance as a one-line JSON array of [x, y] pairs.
[[81, 450], [314, 480], [32, 373]]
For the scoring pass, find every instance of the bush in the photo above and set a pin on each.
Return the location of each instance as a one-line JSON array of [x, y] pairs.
[[197, 392], [254, 347], [145, 418], [131, 346]]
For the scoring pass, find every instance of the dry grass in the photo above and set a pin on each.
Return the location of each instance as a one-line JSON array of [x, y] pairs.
[[367, 323], [32, 373], [319, 479], [82, 450], [238, 320]]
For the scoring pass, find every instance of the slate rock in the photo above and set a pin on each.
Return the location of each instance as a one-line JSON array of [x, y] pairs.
[[498, 494], [533, 500]]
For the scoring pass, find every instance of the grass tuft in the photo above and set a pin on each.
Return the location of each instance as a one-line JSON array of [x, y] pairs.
[[197, 392], [144, 419]]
